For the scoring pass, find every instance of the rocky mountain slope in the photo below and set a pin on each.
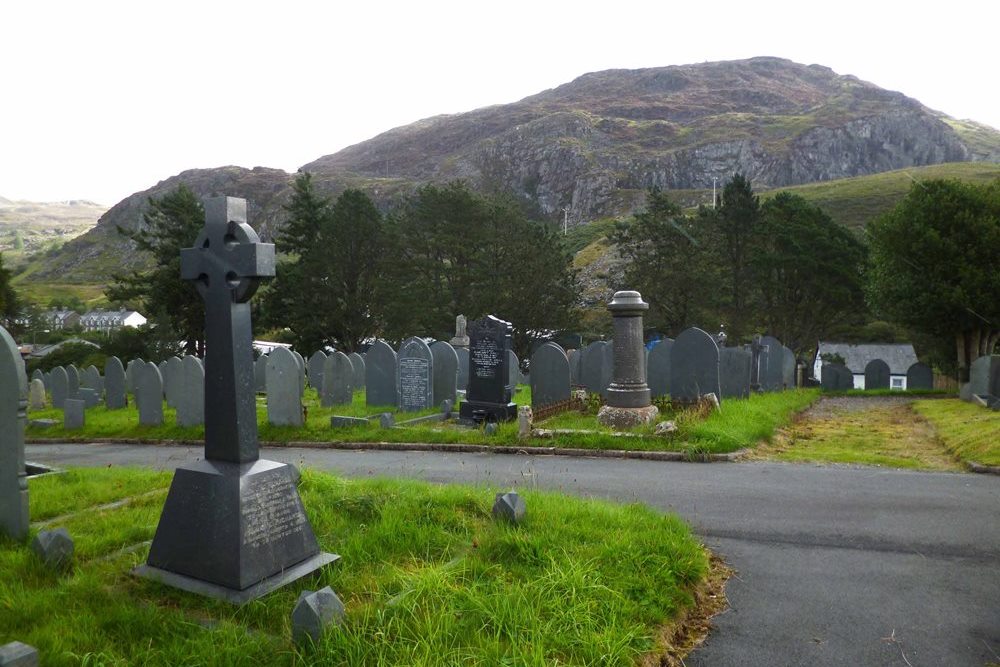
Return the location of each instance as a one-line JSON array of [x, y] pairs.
[[594, 145], [27, 227]]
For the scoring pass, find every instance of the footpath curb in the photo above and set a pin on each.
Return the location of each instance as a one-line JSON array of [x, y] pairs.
[[428, 447], [981, 469]]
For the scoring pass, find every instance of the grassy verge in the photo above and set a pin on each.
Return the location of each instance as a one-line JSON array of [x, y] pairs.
[[909, 393], [741, 423], [427, 578], [969, 431]]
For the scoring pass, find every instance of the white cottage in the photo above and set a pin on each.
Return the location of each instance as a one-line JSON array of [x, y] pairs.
[[899, 357], [110, 320]]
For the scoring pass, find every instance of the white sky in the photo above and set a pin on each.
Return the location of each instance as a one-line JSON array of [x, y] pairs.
[[102, 99]]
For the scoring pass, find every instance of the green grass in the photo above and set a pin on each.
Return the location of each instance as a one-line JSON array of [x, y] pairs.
[[969, 431], [741, 423], [427, 578], [909, 393]]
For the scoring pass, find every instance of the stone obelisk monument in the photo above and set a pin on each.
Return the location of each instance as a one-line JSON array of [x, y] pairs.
[[628, 403]]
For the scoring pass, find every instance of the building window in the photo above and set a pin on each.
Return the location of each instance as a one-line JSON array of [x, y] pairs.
[[897, 383]]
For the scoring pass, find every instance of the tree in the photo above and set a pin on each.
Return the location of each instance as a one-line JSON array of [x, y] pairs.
[[806, 271], [669, 262], [171, 223], [10, 305], [933, 265]]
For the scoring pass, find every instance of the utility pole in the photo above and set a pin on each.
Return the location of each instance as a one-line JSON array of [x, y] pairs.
[[565, 220], [715, 180]]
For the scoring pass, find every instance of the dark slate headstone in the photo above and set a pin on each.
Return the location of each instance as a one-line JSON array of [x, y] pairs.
[[416, 371], [788, 368], [233, 526], [74, 413], [284, 388], [772, 364], [574, 366], [984, 376], [919, 376], [380, 375], [130, 373], [72, 381], [734, 372], [463, 368], [149, 394], [876, 375], [88, 396], [300, 360], [607, 366], [13, 480], [592, 364], [60, 386], [514, 364], [694, 366], [488, 394], [191, 397], [358, 365], [338, 380], [260, 374], [90, 378], [38, 375], [317, 362], [114, 384], [658, 368], [549, 376], [173, 381], [445, 380], [836, 377]]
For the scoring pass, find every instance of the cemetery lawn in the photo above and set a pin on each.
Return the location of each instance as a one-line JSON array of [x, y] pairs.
[[740, 424], [970, 432], [428, 578]]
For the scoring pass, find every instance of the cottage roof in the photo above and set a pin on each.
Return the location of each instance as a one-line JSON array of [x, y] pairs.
[[899, 356]]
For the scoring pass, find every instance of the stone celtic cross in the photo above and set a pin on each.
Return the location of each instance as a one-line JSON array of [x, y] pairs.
[[226, 264]]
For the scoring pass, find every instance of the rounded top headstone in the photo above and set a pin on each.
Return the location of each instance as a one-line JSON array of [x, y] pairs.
[[627, 302]]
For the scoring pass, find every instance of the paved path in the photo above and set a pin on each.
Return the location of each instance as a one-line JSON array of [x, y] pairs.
[[835, 565]]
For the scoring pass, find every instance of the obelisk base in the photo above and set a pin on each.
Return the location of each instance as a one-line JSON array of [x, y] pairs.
[[624, 418]]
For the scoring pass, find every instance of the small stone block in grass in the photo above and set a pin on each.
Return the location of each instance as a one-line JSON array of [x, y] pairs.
[[74, 414], [339, 421], [386, 420], [509, 507], [17, 654], [314, 612], [54, 548], [446, 407], [42, 423], [491, 428]]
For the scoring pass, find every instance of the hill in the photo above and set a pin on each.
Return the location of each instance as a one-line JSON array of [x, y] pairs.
[[28, 227], [594, 145]]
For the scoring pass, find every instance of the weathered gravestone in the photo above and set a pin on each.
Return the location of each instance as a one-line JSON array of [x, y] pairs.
[[416, 371], [338, 380], [445, 380], [574, 358], [90, 378], [461, 337], [836, 377], [317, 362], [788, 368], [38, 375], [488, 395], [88, 396], [358, 366], [72, 381], [284, 388], [514, 364], [694, 366], [772, 364], [919, 376], [149, 394], [607, 366], [191, 397], [380, 375], [592, 367], [658, 368], [876, 375], [13, 416], [233, 526], [114, 384], [628, 397], [300, 360], [549, 376], [734, 372], [74, 414], [173, 381], [984, 376], [60, 386], [130, 372], [36, 395], [260, 374], [463, 367]]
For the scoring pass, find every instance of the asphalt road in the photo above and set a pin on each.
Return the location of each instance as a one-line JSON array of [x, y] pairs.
[[835, 565]]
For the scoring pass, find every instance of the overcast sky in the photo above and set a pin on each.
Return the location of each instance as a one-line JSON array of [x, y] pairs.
[[104, 99]]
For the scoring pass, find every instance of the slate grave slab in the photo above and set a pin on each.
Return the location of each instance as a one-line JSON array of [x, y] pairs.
[[114, 384], [445, 369], [734, 372], [316, 364], [60, 386], [876, 375], [463, 368], [788, 368], [74, 413], [772, 364], [836, 377], [36, 395], [338, 380], [549, 376], [380, 375], [72, 381], [694, 366], [415, 364], [173, 381], [919, 376], [191, 397], [488, 395], [13, 477], [260, 374], [88, 396], [358, 365], [284, 388], [592, 372], [658, 368], [149, 394]]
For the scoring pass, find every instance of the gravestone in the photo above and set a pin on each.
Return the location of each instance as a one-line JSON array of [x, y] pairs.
[[549, 376], [415, 364], [836, 377], [788, 368], [164, 375], [317, 362], [18, 654], [72, 381], [658, 368], [445, 380], [876, 375], [919, 377], [13, 417], [149, 394], [463, 367], [191, 396], [734, 372], [509, 507], [607, 366], [36, 395], [984, 376], [88, 396], [74, 414], [260, 374], [461, 337], [628, 397], [358, 366], [38, 375], [694, 366], [60, 386], [514, 364], [284, 388], [173, 381], [114, 384], [130, 372], [574, 366], [90, 378], [592, 367], [488, 395], [313, 613], [771, 364], [233, 526], [338, 380], [380, 375], [300, 360], [54, 548]]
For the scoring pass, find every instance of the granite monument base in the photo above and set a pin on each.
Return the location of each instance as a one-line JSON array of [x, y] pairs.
[[233, 531], [624, 418], [475, 412]]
